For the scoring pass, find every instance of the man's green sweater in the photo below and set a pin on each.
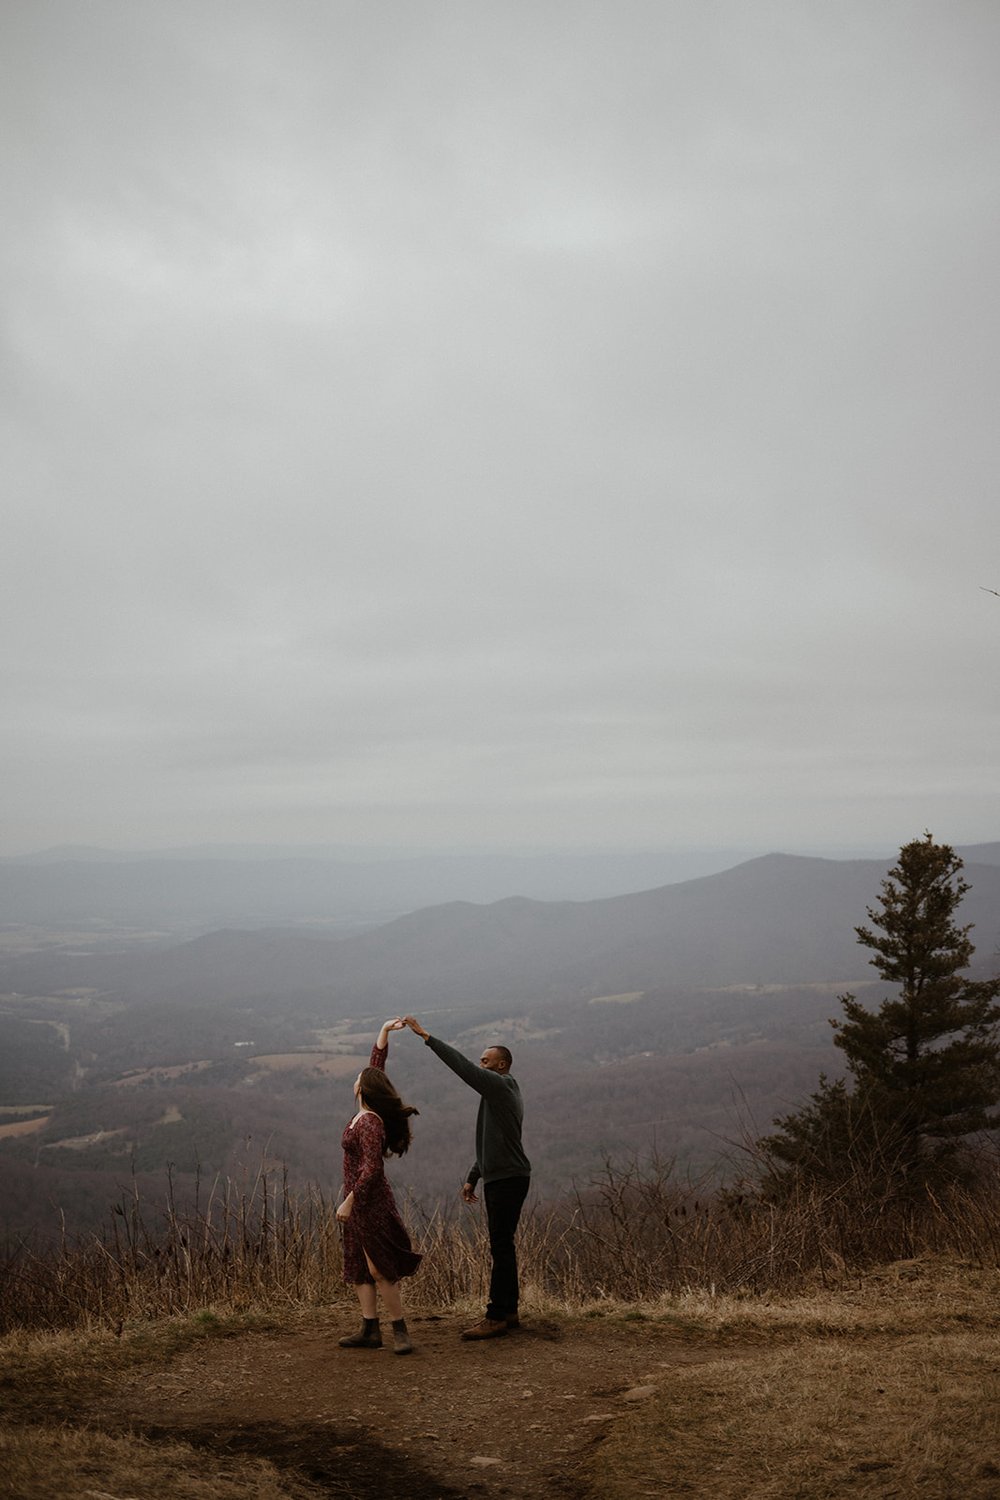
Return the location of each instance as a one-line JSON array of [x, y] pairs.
[[498, 1125]]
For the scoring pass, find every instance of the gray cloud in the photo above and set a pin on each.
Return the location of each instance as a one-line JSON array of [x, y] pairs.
[[476, 424]]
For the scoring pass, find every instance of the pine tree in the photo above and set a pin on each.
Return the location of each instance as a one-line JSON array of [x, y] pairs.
[[924, 1067]]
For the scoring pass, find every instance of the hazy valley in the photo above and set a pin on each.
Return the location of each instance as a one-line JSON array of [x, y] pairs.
[[674, 1016]]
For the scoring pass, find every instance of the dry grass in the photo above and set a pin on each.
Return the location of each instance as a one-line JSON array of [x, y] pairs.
[[248, 1249], [887, 1385], [38, 1463], [931, 1294], [852, 1351], [630, 1238], [916, 1416]]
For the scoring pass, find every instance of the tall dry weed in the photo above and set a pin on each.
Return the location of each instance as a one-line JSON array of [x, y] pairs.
[[250, 1246], [634, 1234]]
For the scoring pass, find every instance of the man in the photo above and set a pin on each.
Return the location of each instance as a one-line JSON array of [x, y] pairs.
[[500, 1163]]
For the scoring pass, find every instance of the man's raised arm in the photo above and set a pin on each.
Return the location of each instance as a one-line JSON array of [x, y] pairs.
[[480, 1079]]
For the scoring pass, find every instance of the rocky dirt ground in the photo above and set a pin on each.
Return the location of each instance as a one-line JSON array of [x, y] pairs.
[[515, 1416]]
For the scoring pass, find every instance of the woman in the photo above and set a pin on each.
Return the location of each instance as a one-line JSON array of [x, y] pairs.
[[377, 1249]]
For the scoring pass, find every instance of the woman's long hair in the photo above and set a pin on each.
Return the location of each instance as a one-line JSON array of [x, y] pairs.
[[378, 1093]]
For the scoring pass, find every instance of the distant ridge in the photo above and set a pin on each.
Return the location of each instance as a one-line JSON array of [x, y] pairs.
[[779, 919], [190, 891], [182, 893]]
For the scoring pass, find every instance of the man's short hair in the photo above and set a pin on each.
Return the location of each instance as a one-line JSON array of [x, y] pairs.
[[504, 1053]]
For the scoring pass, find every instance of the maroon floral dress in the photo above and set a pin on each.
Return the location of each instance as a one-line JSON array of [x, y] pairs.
[[374, 1225]]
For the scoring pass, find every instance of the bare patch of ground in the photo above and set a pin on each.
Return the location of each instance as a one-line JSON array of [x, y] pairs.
[[24, 1127], [514, 1416]]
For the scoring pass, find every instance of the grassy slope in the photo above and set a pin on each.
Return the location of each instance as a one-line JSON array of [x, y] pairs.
[[889, 1388], [888, 1385]]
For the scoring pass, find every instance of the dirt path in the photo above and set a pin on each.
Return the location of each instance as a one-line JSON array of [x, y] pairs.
[[515, 1416]]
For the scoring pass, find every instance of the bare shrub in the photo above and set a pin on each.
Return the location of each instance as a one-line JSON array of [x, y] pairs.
[[634, 1234]]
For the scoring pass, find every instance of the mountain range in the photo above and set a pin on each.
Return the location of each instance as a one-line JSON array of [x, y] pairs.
[[779, 919]]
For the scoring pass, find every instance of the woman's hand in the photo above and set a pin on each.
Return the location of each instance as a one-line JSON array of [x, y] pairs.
[[387, 1026], [345, 1209]]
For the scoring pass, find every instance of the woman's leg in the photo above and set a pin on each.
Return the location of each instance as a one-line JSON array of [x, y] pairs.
[[393, 1302], [368, 1298], [389, 1291]]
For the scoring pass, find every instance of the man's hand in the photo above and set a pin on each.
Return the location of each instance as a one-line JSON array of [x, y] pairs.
[[469, 1193], [415, 1025]]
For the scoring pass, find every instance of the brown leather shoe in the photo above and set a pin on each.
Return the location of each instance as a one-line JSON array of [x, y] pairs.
[[489, 1328]]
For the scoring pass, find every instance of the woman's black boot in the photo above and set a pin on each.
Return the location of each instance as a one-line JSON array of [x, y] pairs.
[[369, 1336], [400, 1338]]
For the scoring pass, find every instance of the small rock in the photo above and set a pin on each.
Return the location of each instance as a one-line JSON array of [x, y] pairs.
[[483, 1463], [599, 1416], [640, 1393]]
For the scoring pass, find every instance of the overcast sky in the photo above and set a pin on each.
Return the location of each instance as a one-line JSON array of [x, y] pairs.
[[453, 425]]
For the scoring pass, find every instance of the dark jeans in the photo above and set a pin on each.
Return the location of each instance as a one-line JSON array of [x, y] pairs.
[[504, 1201]]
